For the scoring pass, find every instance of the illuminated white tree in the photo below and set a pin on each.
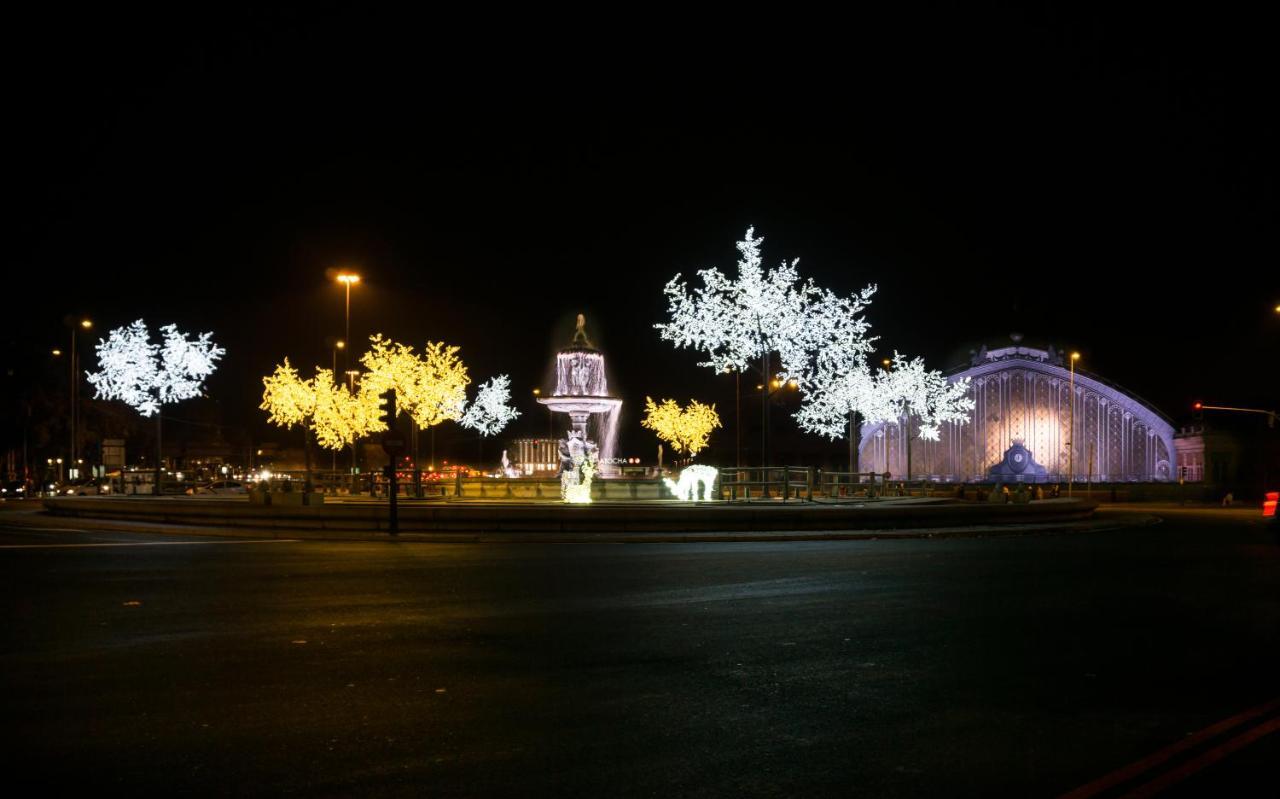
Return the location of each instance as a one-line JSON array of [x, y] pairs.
[[491, 410], [834, 396], [762, 311], [148, 375], [911, 389]]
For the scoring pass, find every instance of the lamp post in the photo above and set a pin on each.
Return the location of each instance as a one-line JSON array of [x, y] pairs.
[[767, 392], [337, 345], [737, 416], [737, 412], [346, 279], [351, 383], [74, 388], [551, 436], [1071, 434]]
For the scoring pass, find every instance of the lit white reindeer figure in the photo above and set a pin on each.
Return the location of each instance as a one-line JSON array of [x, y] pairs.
[[690, 478]]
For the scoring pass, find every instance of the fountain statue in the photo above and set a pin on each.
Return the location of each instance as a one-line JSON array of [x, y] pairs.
[[582, 390], [578, 463]]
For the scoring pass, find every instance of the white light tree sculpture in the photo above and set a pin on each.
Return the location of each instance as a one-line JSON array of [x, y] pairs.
[[148, 375], [910, 389], [491, 410], [838, 398], [760, 312]]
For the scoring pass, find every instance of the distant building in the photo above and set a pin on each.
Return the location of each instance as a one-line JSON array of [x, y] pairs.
[[535, 456], [1237, 453], [1022, 399]]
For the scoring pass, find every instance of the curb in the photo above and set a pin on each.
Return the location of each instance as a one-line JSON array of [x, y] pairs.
[[49, 523], [481, 518]]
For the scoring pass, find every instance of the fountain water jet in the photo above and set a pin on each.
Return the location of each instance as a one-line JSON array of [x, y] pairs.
[[582, 390]]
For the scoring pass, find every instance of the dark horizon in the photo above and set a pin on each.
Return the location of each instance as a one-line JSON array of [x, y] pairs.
[[1101, 187]]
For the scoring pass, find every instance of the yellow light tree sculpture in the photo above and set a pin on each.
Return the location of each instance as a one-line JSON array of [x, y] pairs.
[[329, 412], [685, 429], [430, 388], [342, 417]]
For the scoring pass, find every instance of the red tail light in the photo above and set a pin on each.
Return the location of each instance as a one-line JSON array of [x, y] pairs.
[[1269, 504]]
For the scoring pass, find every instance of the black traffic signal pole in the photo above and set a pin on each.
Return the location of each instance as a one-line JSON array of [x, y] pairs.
[[392, 444]]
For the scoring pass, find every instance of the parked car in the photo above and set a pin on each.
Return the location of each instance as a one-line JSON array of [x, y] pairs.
[[220, 487]]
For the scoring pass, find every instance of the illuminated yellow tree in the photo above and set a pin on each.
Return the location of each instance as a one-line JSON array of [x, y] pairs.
[[685, 429], [289, 400], [341, 416], [430, 388], [328, 412]]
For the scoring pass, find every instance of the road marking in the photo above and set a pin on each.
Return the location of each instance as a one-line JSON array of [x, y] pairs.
[[150, 544], [1149, 762], [1168, 779]]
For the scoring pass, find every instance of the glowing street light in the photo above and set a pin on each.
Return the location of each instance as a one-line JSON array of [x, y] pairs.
[[337, 345], [347, 279], [537, 392], [74, 383]]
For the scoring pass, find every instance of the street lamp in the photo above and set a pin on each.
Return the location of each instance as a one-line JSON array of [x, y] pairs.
[[74, 382], [737, 413], [337, 345], [347, 279], [551, 436], [1071, 434], [767, 392], [351, 383]]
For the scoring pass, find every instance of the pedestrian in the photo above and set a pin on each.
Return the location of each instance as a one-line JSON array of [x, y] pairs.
[[1228, 499]]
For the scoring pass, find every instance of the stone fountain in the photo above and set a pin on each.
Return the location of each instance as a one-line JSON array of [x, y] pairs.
[[582, 390]]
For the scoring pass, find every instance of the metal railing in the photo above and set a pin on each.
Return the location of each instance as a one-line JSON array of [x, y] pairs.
[[836, 486], [787, 483], [809, 484]]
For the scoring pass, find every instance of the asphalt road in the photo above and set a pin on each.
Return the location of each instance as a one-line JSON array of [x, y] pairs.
[[1025, 666]]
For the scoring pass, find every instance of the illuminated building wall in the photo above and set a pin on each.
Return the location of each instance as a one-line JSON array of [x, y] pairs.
[[1024, 393], [538, 456]]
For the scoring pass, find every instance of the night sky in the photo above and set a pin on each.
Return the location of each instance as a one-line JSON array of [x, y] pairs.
[[1103, 184]]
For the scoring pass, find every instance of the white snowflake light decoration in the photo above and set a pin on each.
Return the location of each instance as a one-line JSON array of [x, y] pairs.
[[146, 375], [491, 410]]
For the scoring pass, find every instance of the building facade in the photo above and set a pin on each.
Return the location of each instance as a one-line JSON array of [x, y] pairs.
[[1022, 397], [535, 456]]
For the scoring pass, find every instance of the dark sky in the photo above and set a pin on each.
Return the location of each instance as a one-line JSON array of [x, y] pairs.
[[1102, 183]]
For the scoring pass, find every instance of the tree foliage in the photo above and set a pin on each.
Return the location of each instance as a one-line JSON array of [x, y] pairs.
[[686, 429]]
